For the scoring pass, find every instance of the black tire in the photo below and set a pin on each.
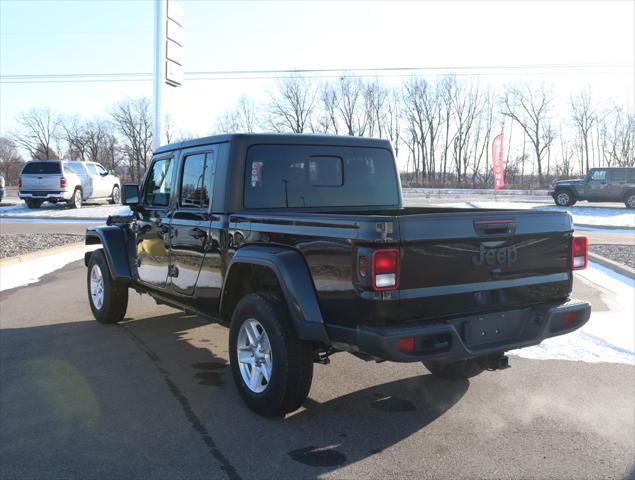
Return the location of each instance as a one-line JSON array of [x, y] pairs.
[[115, 294], [564, 198], [629, 200], [291, 358], [76, 199], [115, 196], [457, 370], [33, 203]]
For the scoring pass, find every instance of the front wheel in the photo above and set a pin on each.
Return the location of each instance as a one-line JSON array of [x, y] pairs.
[[108, 298], [272, 368], [115, 196], [564, 198], [456, 370], [630, 200]]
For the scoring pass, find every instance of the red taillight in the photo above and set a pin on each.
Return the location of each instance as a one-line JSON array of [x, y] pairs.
[[407, 344], [63, 182], [385, 273], [579, 253]]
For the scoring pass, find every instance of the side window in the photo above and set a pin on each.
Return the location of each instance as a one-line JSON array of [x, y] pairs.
[[197, 180], [75, 167], [598, 175], [90, 167], [100, 170], [159, 183]]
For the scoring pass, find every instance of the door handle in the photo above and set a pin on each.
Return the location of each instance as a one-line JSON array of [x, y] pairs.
[[198, 233]]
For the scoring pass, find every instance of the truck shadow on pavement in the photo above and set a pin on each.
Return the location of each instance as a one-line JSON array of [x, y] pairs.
[[140, 399]]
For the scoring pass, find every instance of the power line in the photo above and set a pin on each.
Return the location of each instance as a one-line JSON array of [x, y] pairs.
[[542, 69]]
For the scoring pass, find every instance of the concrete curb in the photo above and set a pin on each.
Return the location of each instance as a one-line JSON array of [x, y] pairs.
[[42, 253], [608, 263]]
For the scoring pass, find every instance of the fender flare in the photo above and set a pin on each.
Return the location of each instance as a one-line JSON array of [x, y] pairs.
[[118, 249], [295, 281]]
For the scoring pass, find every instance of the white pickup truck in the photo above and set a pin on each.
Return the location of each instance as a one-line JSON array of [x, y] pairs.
[[67, 181]]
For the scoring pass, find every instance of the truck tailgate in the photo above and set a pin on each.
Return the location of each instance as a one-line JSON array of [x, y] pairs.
[[470, 262], [41, 183]]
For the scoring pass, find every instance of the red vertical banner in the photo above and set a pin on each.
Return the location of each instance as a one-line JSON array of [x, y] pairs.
[[497, 162]]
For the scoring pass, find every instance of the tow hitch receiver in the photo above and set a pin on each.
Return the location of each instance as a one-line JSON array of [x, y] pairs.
[[496, 362]]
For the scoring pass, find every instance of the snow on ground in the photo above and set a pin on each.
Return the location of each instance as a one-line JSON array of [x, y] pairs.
[[30, 271], [46, 211], [609, 336]]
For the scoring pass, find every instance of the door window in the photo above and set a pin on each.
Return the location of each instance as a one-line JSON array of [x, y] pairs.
[[196, 181], [598, 175], [90, 167], [159, 183], [100, 170]]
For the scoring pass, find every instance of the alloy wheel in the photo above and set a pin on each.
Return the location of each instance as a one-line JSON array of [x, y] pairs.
[[254, 355], [97, 287]]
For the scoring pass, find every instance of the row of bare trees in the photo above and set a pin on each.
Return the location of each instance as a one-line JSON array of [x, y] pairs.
[[442, 130], [121, 142]]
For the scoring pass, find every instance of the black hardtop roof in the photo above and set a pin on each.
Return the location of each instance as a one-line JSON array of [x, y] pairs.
[[279, 138]]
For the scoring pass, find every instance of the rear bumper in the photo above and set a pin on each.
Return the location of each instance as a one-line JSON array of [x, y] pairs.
[[465, 337], [54, 195]]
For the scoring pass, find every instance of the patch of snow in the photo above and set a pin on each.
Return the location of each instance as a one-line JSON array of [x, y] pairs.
[[30, 271], [62, 211], [609, 336]]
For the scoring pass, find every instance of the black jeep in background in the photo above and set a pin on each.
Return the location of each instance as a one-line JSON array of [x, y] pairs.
[[600, 185], [300, 244]]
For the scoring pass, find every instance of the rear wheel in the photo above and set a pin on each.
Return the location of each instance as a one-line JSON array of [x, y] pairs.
[[460, 369], [564, 198], [33, 203], [108, 298], [76, 200], [629, 201], [271, 367], [115, 196]]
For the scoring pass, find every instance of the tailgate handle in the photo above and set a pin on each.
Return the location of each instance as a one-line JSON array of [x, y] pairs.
[[495, 227]]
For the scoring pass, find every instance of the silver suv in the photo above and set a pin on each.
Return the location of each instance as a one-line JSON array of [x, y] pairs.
[[66, 181]]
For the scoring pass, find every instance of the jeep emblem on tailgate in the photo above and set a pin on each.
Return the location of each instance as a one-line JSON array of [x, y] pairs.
[[500, 256]]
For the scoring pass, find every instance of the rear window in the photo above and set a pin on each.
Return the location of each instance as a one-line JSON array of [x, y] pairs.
[[279, 176], [39, 168]]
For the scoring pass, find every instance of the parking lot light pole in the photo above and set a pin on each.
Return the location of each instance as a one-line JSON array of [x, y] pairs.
[[159, 71]]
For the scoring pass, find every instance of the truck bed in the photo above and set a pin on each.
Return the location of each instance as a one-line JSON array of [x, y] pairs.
[[452, 261]]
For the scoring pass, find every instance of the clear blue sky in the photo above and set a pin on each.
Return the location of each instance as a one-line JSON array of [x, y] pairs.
[[94, 36]]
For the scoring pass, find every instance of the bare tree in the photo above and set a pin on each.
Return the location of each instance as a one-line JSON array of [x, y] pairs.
[[530, 108], [584, 117], [10, 161], [132, 118], [291, 105], [37, 133]]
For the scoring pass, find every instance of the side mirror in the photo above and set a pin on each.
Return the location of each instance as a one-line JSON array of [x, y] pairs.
[[110, 172], [130, 195]]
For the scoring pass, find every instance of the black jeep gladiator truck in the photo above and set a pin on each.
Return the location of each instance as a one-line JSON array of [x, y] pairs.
[[301, 245]]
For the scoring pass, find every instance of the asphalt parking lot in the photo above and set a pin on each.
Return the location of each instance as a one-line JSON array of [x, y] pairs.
[[153, 398]]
